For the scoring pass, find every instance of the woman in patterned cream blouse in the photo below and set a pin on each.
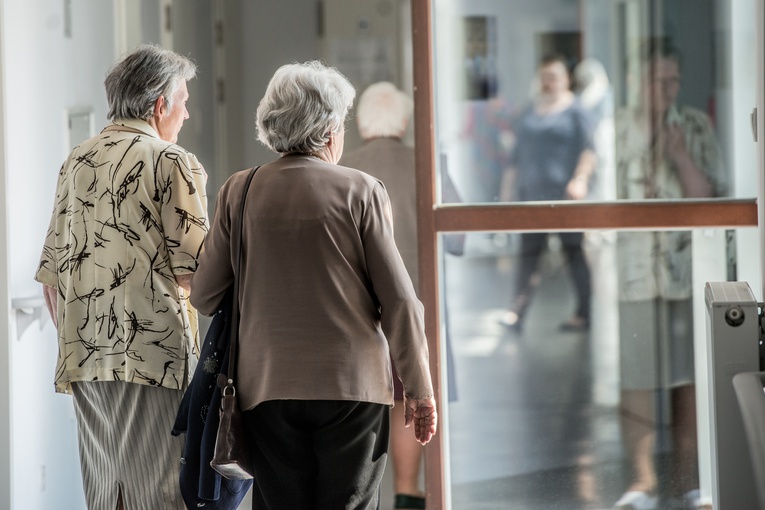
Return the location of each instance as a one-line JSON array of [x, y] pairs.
[[128, 221]]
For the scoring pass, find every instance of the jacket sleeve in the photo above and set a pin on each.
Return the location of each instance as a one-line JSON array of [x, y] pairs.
[[401, 313], [214, 272]]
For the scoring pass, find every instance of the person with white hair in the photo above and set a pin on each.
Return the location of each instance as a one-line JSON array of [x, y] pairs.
[[382, 115], [324, 299], [129, 219], [382, 118]]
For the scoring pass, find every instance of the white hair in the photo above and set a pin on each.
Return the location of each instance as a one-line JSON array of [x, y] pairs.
[[383, 110], [303, 105], [591, 81]]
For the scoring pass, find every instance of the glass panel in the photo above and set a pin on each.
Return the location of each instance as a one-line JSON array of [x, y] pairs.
[[596, 99], [553, 414]]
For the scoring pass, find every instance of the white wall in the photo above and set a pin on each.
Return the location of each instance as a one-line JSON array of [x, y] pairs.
[[45, 73], [5, 346]]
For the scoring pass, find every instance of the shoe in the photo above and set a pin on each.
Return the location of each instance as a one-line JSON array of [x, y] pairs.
[[511, 321], [575, 325], [636, 500], [692, 500], [409, 502]]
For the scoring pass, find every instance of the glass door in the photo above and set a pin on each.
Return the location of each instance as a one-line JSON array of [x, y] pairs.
[[604, 158]]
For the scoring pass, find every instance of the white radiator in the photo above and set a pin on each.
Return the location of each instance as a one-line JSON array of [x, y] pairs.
[[732, 347]]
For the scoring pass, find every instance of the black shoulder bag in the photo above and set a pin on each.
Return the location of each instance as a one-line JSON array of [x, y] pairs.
[[231, 458]]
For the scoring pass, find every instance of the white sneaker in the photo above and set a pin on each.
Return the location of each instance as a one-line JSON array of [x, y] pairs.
[[692, 500], [636, 500]]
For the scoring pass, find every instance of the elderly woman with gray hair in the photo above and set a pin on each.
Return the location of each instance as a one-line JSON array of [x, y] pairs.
[[128, 222], [324, 298]]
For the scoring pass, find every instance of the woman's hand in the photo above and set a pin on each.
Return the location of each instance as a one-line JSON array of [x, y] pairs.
[[421, 412], [577, 188]]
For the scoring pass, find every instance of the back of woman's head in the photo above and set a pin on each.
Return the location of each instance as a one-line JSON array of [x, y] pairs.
[[302, 106], [134, 84], [383, 111]]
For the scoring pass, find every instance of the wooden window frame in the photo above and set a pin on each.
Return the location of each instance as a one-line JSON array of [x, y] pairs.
[[433, 218]]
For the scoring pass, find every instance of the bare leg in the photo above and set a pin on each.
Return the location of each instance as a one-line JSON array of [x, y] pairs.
[[406, 454], [638, 424], [684, 437]]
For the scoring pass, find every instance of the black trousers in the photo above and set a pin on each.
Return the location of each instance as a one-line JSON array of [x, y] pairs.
[[532, 245], [317, 454]]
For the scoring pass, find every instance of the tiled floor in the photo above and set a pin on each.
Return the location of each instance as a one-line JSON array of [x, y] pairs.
[[534, 425]]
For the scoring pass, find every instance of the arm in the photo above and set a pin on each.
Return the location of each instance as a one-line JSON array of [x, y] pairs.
[[577, 187], [401, 313], [51, 301], [184, 281], [184, 213], [507, 185], [693, 180], [215, 272]]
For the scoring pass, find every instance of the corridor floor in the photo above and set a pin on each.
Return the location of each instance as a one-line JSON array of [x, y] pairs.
[[534, 425]]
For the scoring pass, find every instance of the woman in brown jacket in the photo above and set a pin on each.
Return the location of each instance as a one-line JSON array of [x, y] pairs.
[[324, 299]]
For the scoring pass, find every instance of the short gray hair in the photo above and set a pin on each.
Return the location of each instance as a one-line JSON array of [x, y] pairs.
[[134, 84], [302, 106], [383, 110]]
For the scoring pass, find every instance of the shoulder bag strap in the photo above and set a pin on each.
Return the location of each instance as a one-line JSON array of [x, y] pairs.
[[234, 329]]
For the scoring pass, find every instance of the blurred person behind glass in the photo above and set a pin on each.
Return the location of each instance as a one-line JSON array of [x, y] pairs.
[[664, 150], [326, 303], [595, 95], [382, 118], [128, 223], [553, 159]]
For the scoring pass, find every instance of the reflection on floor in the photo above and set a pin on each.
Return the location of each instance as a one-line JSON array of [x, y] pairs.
[[535, 425]]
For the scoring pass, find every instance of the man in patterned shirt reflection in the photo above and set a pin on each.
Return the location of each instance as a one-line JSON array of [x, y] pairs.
[[663, 151], [129, 218]]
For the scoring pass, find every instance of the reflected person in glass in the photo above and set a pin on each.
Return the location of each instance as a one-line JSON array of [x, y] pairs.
[[664, 150], [553, 159], [382, 116]]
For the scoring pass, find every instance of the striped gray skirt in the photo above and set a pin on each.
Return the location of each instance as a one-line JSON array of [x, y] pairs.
[[126, 447]]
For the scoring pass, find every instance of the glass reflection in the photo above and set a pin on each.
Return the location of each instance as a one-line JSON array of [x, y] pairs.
[[500, 109], [546, 418]]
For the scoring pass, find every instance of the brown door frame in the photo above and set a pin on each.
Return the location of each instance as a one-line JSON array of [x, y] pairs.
[[433, 218]]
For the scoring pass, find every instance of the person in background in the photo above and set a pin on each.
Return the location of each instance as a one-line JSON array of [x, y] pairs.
[[553, 159], [128, 222], [595, 95], [664, 150], [326, 302], [382, 118]]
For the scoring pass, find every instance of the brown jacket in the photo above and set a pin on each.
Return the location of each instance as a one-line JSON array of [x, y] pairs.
[[324, 292]]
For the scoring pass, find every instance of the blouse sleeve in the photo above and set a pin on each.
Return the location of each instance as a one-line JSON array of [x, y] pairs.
[[47, 269], [184, 209]]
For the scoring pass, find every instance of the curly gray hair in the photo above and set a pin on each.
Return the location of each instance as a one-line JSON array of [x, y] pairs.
[[303, 105], [134, 84]]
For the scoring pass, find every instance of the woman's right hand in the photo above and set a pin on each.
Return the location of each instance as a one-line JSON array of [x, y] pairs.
[[421, 412]]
